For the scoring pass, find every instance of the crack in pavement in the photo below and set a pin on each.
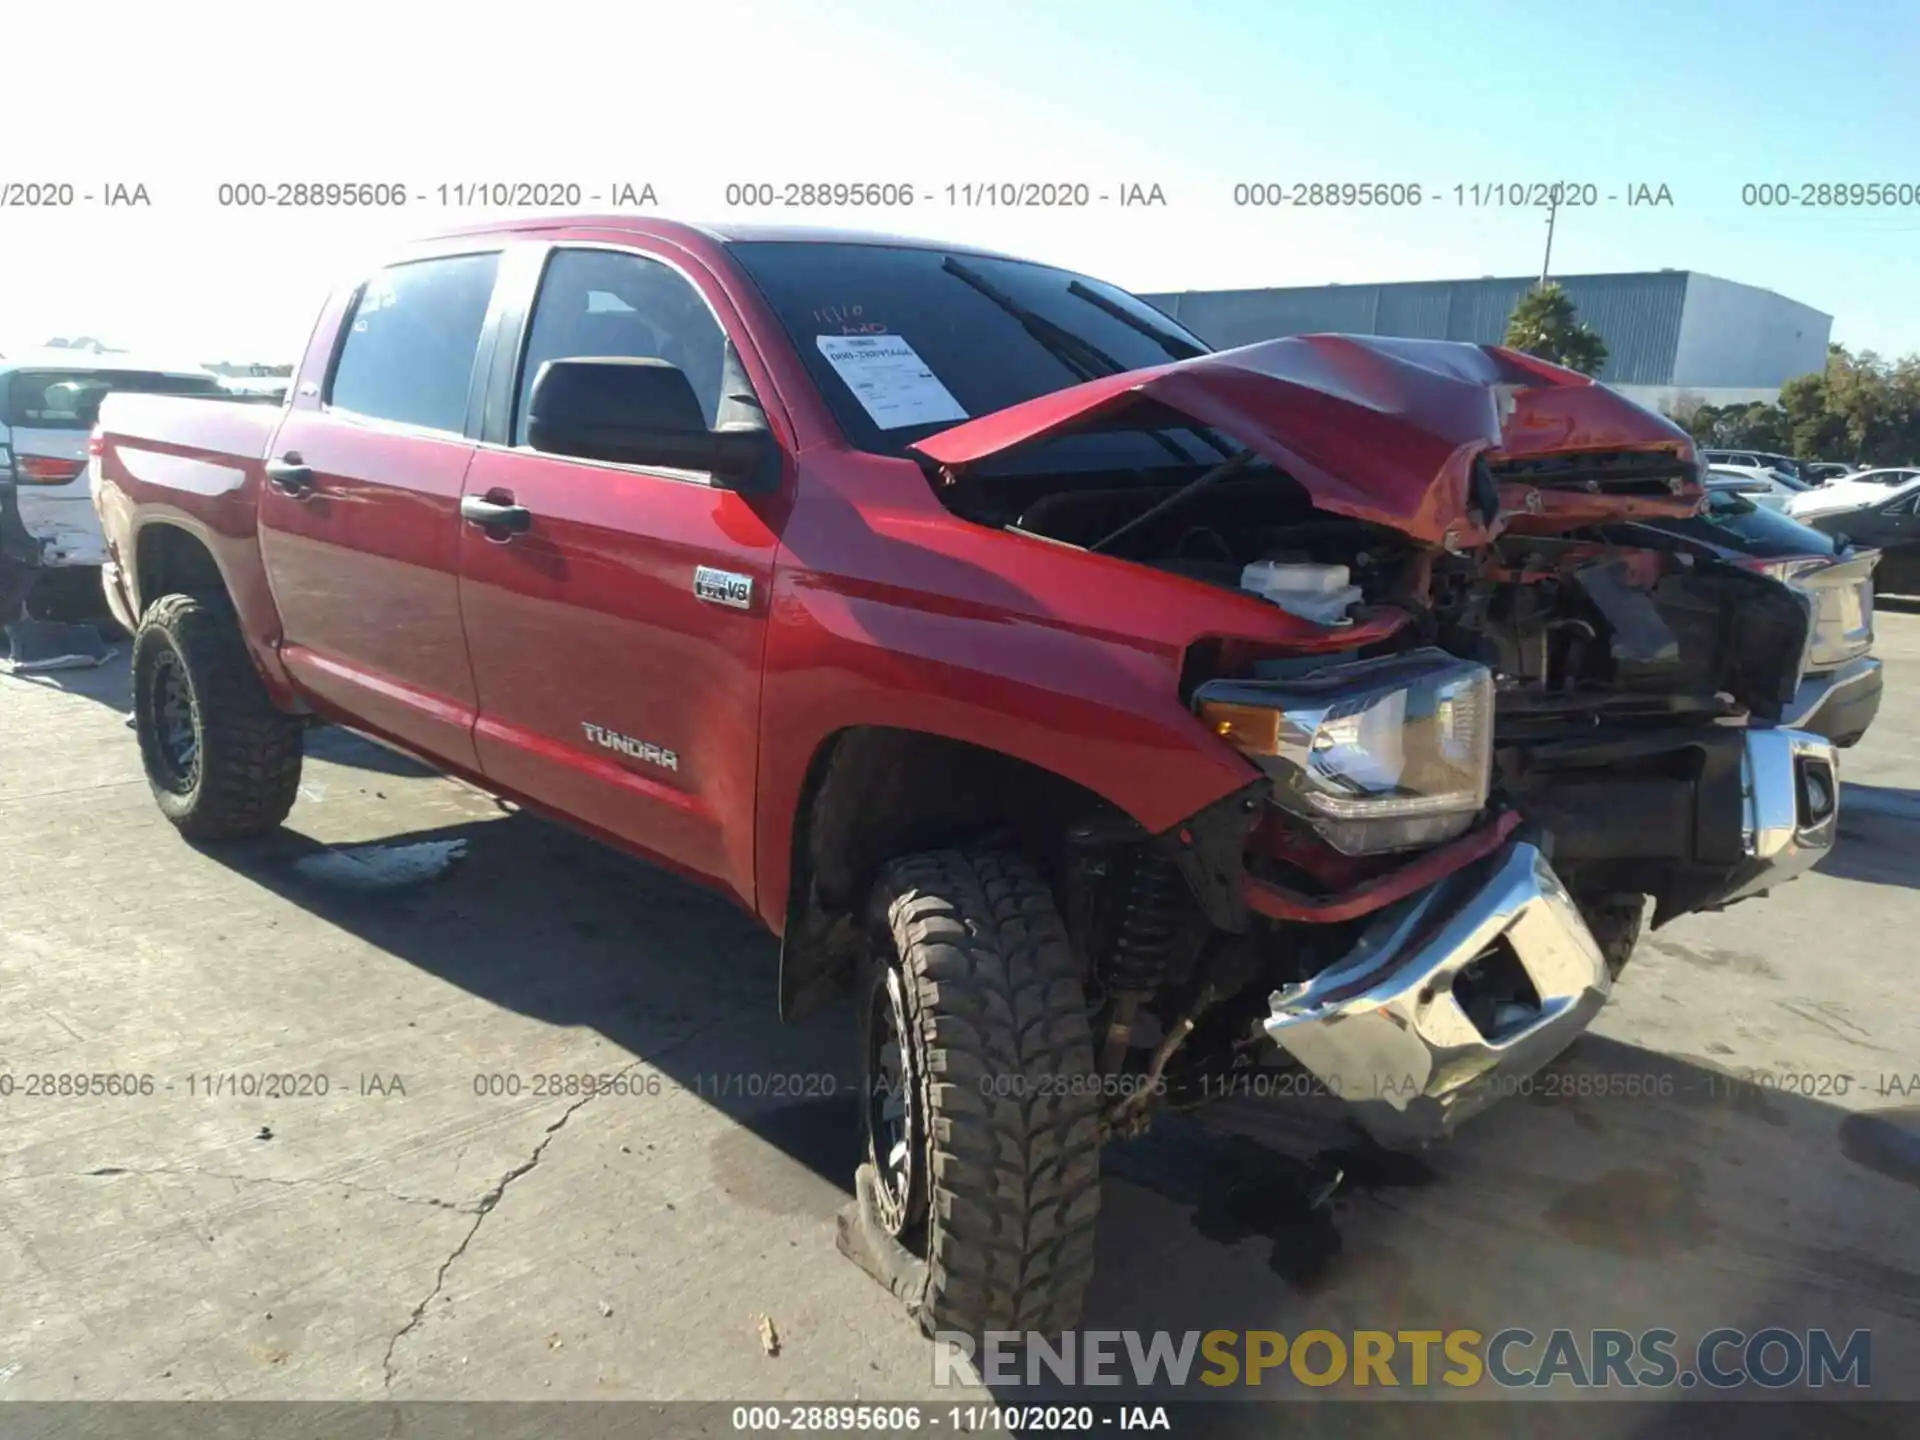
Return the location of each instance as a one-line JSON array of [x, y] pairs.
[[493, 1197], [484, 1208]]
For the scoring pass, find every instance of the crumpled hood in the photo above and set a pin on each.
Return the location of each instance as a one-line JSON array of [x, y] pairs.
[[1383, 430]]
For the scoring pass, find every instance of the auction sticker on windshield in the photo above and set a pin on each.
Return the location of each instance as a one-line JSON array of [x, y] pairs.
[[890, 380]]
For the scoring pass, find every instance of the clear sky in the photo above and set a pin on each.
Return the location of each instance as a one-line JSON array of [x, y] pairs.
[[1702, 98]]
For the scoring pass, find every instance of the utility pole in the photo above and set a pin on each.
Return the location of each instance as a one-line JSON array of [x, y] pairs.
[[1553, 207]]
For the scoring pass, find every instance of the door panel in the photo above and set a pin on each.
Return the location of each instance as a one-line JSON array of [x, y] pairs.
[[360, 527], [607, 690], [364, 570]]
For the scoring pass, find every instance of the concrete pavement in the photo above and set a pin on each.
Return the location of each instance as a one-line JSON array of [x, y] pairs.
[[441, 1223]]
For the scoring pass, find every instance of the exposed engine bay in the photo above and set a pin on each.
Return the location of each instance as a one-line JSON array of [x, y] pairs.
[[1589, 700], [1576, 632]]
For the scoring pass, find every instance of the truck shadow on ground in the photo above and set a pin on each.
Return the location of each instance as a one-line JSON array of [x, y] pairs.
[[110, 684], [1627, 1188], [326, 742], [1879, 834]]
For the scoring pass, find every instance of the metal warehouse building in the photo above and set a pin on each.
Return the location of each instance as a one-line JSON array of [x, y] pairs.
[[1669, 332]]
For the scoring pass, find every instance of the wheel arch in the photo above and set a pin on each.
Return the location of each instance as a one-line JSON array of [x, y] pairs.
[[170, 559], [174, 557], [875, 792]]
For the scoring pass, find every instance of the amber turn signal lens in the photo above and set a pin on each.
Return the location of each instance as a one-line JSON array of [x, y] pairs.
[[1253, 729]]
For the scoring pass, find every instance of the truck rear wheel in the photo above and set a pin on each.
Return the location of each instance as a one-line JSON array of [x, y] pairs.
[[222, 762], [981, 1099]]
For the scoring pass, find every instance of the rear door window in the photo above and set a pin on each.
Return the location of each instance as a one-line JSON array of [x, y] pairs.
[[410, 346]]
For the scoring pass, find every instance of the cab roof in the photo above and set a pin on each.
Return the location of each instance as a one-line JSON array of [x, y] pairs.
[[728, 232]]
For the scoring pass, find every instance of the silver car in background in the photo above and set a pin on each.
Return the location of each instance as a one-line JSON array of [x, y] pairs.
[[1769, 489]]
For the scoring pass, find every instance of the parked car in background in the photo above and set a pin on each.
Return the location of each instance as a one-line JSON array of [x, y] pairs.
[[1890, 522], [1819, 472], [48, 404], [1766, 488], [1862, 488], [262, 389], [1753, 459], [1839, 693]]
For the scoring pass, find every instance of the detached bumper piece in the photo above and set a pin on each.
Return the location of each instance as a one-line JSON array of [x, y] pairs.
[[1451, 998], [1790, 795]]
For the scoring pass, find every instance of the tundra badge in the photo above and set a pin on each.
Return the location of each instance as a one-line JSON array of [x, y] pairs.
[[639, 749], [723, 587]]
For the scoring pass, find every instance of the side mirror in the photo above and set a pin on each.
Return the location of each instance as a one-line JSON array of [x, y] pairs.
[[642, 411]]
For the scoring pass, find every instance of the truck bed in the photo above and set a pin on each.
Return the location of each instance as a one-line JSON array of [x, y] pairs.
[[190, 462], [211, 427]]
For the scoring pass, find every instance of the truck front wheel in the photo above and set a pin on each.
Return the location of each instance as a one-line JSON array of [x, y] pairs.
[[981, 1099], [222, 762]]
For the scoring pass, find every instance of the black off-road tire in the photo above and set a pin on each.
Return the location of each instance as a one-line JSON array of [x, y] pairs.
[[245, 770], [1616, 919], [999, 1057]]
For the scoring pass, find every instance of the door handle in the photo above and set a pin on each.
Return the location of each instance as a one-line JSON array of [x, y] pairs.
[[495, 515], [290, 477]]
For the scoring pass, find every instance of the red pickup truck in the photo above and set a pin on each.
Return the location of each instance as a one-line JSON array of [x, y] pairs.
[[1109, 717]]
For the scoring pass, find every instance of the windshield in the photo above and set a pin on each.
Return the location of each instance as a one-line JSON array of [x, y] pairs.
[[905, 342], [1736, 523], [70, 399]]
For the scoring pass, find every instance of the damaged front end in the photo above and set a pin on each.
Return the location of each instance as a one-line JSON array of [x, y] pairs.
[[1444, 822], [1487, 736]]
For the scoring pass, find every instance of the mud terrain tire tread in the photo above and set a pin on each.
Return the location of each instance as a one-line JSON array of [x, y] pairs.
[[250, 752], [1014, 1179]]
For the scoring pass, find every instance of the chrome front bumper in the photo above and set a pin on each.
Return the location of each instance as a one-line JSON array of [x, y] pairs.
[[1454, 997]]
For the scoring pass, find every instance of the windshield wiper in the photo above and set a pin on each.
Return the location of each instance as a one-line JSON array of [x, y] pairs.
[[1085, 359], [1177, 348]]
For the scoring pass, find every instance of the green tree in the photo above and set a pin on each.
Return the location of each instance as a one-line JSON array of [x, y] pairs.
[[1545, 323], [1818, 433], [1859, 408], [1755, 425]]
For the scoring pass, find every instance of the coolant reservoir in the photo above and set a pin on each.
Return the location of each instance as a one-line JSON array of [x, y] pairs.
[[1319, 593]]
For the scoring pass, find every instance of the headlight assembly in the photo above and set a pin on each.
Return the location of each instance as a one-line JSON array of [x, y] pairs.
[[1387, 754]]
